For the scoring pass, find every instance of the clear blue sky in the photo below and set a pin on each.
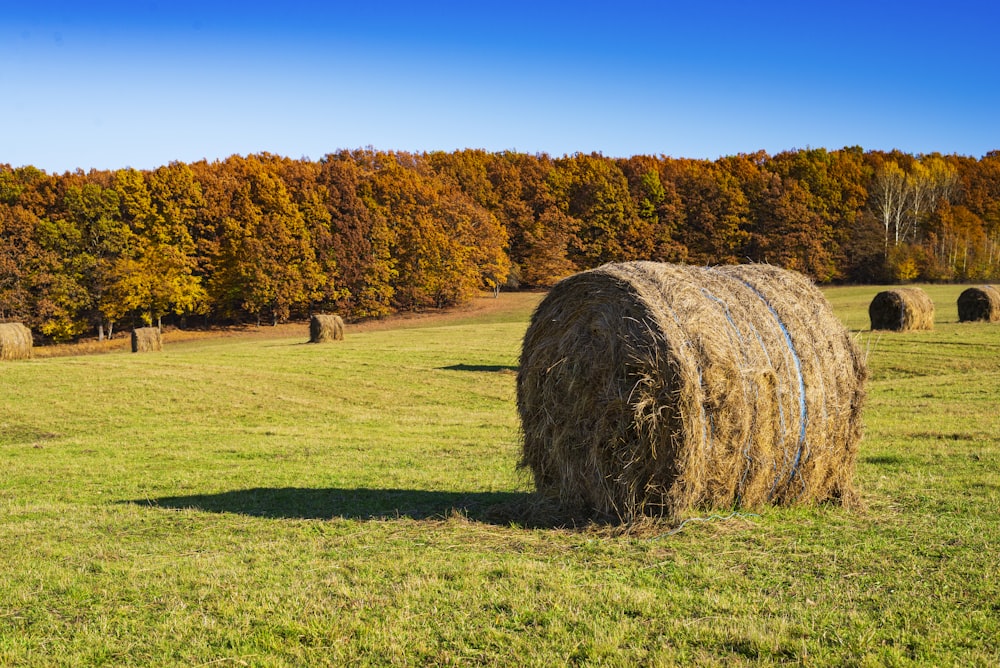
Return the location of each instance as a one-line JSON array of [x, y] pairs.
[[114, 84]]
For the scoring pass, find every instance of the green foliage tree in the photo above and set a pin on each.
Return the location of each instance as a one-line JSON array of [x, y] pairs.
[[660, 213], [61, 302], [105, 240], [594, 191]]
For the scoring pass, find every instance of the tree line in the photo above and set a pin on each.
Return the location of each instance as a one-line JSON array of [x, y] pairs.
[[366, 233]]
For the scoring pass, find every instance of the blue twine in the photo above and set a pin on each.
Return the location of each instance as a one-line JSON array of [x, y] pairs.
[[803, 413]]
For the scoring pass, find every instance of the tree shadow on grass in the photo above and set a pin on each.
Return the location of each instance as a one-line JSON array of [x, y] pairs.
[[499, 508]]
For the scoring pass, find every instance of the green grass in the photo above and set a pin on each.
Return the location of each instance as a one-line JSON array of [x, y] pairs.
[[253, 501]]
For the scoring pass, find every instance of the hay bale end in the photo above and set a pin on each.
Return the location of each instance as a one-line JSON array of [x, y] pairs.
[[324, 328], [650, 389], [15, 341], [902, 310], [979, 303], [146, 339]]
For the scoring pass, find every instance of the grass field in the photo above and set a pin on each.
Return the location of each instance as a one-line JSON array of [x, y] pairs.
[[255, 500]]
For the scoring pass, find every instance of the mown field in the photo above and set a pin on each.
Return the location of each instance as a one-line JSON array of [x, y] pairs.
[[259, 501]]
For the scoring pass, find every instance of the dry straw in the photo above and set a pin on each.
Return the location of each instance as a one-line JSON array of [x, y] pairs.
[[902, 310], [980, 303], [324, 328], [15, 341], [651, 389], [146, 339]]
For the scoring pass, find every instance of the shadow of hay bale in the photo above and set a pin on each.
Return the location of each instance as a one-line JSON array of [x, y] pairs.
[[488, 368], [342, 503]]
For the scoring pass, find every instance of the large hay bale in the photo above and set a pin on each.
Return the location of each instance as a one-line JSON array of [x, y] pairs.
[[902, 310], [146, 339], [649, 389], [15, 341], [980, 303], [324, 328]]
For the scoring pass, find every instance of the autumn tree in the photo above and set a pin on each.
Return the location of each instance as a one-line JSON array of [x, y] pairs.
[[469, 171], [715, 211], [659, 210], [794, 236], [104, 240], [263, 263], [360, 237], [58, 304], [931, 181], [157, 277], [540, 232], [41, 281], [980, 185], [315, 201], [593, 191], [369, 232], [20, 256], [16, 248], [980, 181], [445, 247], [890, 198], [961, 244]]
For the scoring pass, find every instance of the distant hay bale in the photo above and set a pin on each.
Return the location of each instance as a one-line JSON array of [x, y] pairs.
[[324, 328], [980, 303], [15, 341], [650, 389], [146, 339], [902, 310]]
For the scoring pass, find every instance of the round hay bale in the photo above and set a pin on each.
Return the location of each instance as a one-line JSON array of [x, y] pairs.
[[15, 341], [979, 303], [902, 310], [650, 389], [146, 339], [324, 328]]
